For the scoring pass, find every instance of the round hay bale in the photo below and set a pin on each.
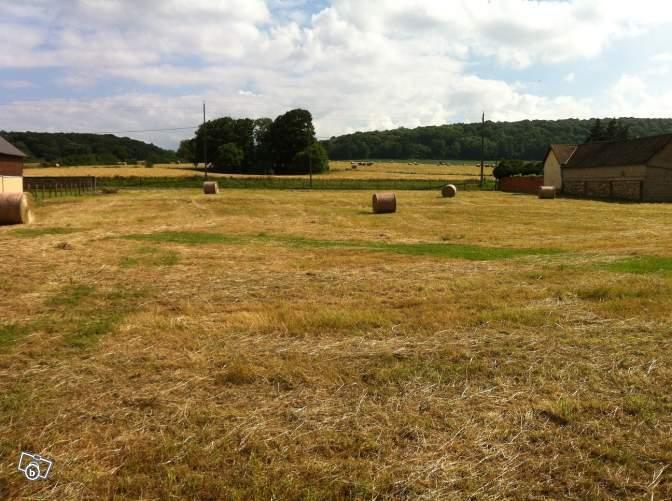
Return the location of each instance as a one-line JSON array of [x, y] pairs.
[[384, 203], [210, 187], [15, 208], [547, 192], [449, 191]]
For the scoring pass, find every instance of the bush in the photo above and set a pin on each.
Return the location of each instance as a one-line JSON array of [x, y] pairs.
[[316, 154], [507, 168]]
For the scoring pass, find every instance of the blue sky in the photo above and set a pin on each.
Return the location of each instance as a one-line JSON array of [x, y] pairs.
[[127, 65]]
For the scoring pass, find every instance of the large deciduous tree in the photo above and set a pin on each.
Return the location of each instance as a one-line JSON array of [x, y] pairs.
[[186, 153], [288, 135], [311, 159], [250, 146], [229, 157]]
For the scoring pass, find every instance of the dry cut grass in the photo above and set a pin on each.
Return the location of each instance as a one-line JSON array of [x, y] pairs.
[[290, 345], [167, 170], [339, 170]]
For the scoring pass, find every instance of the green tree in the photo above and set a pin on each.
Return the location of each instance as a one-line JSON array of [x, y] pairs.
[[288, 135], [312, 158], [229, 157], [612, 130], [226, 130], [597, 132], [185, 153]]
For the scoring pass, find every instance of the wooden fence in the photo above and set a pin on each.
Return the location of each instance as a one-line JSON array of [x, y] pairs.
[[43, 187], [290, 183]]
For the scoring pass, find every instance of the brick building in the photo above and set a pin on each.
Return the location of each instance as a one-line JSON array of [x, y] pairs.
[[11, 168], [11, 159]]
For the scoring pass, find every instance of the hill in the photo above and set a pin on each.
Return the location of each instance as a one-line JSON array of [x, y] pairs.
[[527, 139], [85, 149]]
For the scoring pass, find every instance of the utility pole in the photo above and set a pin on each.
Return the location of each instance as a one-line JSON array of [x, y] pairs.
[[205, 146], [310, 158], [482, 148]]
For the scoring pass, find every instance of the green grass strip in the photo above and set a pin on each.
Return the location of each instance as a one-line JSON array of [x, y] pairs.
[[187, 238], [454, 251], [641, 265]]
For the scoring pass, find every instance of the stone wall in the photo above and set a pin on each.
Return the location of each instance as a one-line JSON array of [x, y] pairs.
[[617, 189]]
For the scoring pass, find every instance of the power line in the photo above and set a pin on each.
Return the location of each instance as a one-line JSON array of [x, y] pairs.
[[139, 131]]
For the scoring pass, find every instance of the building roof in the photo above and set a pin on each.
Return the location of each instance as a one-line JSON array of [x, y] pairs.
[[7, 149], [562, 152], [617, 153]]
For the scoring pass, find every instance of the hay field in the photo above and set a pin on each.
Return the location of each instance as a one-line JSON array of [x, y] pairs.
[[290, 345], [339, 170], [402, 170], [160, 170]]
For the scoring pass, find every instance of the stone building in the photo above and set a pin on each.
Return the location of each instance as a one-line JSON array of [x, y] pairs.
[[637, 169]]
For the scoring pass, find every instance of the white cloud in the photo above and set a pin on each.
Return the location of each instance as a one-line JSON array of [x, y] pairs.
[[663, 57], [570, 77], [355, 64], [631, 96]]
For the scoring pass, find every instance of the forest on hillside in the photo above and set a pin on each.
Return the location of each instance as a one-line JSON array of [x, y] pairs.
[[525, 140], [85, 149]]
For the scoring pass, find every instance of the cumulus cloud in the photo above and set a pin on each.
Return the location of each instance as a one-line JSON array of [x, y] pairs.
[[632, 96], [663, 57], [356, 64]]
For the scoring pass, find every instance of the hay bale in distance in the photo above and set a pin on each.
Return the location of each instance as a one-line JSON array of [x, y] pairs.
[[15, 208], [449, 191], [384, 203], [547, 192], [210, 187]]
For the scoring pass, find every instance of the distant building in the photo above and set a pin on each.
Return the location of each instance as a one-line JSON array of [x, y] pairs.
[[11, 168], [637, 169], [557, 155]]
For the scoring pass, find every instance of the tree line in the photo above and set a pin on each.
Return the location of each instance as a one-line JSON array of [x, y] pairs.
[[286, 145], [615, 130], [72, 149], [525, 140]]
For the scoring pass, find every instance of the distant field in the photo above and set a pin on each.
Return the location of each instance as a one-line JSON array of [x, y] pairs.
[[163, 344], [339, 170], [114, 170]]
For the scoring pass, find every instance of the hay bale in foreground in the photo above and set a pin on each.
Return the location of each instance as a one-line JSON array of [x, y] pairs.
[[449, 191], [384, 203], [547, 192], [15, 208], [210, 187]]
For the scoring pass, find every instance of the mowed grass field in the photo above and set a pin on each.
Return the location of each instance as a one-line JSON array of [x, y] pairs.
[[291, 345], [338, 170]]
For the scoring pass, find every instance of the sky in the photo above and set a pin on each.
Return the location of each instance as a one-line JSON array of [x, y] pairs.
[[129, 66]]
